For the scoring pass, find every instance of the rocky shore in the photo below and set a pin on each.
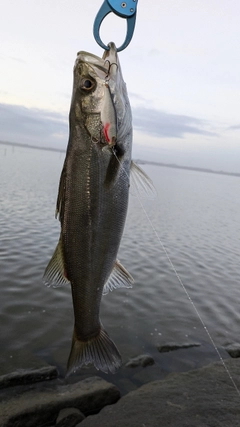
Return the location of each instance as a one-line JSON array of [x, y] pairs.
[[209, 396]]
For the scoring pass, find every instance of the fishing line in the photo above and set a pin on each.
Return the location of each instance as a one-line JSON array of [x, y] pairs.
[[183, 286]]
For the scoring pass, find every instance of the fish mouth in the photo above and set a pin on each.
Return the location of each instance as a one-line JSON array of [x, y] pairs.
[[111, 61], [111, 54], [102, 66], [106, 68]]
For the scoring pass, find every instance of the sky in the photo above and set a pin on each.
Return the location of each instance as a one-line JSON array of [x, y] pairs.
[[182, 70]]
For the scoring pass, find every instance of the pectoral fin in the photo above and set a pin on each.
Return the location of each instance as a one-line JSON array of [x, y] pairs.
[[141, 181], [119, 278], [61, 195], [55, 274]]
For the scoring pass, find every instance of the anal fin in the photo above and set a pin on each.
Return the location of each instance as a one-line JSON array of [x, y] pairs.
[[119, 278], [55, 274]]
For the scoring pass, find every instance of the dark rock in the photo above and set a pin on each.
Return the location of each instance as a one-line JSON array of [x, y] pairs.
[[233, 350], [71, 420], [21, 359], [39, 406], [69, 417], [199, 398], [66, 412], [173, 346], [28, 376], [143, 360]]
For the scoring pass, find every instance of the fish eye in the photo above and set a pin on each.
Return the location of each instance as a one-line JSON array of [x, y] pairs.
[[87, 84]]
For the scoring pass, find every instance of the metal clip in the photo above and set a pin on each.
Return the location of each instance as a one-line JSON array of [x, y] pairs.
[[124, 9]]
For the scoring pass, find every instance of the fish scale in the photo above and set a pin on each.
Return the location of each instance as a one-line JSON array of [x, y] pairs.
[[92, 203]]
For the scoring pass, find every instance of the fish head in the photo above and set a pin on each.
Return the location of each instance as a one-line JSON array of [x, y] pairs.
[[103, 97], [118, 90]]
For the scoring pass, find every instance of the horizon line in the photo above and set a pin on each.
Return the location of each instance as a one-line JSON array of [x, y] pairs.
[[139, 161]]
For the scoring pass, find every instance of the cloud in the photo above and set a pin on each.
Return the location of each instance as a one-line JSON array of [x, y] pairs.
[[136, 97], [234, 127], [32, 125], [154, 52], [161, 124], [45, 128], [14, 58], [20, 60]]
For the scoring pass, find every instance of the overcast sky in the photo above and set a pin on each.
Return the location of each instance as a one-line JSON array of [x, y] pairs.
[[182, 70]]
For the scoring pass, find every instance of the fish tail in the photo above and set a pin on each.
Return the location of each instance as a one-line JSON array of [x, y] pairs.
[[99, 350]]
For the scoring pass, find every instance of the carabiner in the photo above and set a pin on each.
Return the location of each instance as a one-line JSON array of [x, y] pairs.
[[124, 9]]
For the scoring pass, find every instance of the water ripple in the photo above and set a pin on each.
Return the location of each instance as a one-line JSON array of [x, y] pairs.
[[196, 216]]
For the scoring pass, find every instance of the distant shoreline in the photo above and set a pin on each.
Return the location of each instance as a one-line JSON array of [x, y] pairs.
[[190, 168], [35, 147], [139, 161]]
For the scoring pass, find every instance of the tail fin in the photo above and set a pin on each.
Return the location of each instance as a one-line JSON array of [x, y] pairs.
[[100, 350]]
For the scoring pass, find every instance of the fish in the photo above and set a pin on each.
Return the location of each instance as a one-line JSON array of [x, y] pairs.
[[92, 204]]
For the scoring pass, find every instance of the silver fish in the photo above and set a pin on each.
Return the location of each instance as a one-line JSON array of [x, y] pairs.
[[92, 203]]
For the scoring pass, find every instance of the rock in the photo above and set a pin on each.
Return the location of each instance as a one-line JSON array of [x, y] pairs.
[[203, 397], [143, 360], [38, 406], [69, 417], [66, 412], [28, 376], [21, 358], [71, 420], [173, 346], [233, 350]]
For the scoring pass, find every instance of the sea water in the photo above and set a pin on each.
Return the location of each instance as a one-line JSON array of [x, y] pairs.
[[196, 217]]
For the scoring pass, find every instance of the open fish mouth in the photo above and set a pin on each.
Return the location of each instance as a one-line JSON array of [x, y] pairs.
[[104, 71], [103, 67]]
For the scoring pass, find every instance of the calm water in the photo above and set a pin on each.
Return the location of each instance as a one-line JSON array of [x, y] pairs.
[[196, 216]]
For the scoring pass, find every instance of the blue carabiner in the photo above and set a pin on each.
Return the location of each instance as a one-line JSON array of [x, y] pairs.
[[125, 9]]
